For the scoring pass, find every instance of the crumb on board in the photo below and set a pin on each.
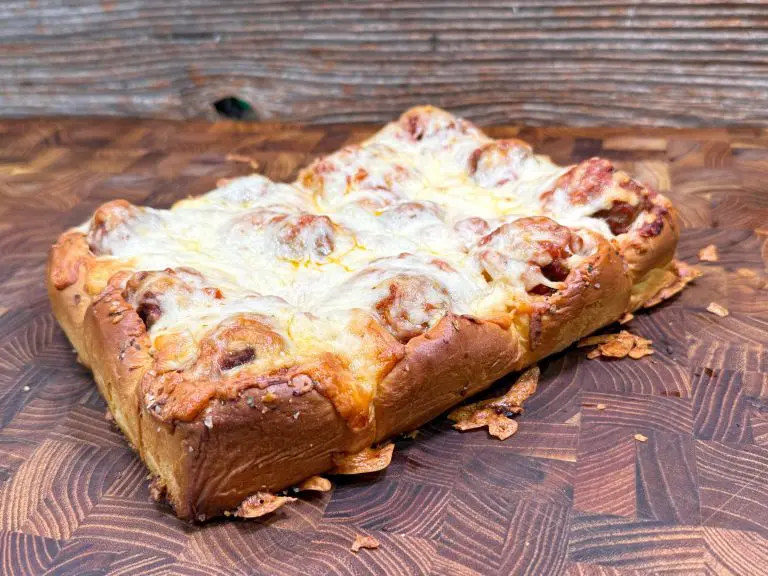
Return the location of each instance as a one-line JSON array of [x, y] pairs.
[[574, 420], [499, 425], [746, 273], [641, 438], [367, 460], [412, 435], [682, 276], [618, 345], [709, 254], [717, 309], [260, 504], [753, 278], [368, 542], [628, 317], [598, 406], [640, 352], [243, 159], [496, 413], [315, 484]]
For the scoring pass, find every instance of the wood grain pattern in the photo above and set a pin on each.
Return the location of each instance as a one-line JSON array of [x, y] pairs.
[[605, 481], [734, 552], [573, 492], [538, 62], [636, 544]]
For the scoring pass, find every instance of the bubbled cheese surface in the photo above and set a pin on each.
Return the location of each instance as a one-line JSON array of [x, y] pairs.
[[392, 204]]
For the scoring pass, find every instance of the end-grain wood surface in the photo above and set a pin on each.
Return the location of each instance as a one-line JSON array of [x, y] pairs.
[[573, 492], [588, 62]]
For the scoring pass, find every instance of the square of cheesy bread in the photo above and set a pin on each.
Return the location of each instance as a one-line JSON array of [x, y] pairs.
[[245, 338]]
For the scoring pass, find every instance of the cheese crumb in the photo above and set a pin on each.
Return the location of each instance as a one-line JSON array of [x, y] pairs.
[[709, 254], [368, 542], [717, 310], [618, 345]]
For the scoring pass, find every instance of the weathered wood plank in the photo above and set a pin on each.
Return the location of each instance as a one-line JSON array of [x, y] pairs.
[[541, 62]]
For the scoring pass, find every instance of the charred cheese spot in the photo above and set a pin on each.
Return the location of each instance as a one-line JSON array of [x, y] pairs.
[[431, 126], [595, 188], [499, 163], [412, 305], [532, 251]]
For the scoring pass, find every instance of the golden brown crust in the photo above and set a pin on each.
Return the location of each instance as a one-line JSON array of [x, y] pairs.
[[459, 357], [242, 450], [646, 252], [65, 280], [67, 256]]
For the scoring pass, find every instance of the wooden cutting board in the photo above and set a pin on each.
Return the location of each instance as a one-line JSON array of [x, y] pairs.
[[572, 493]]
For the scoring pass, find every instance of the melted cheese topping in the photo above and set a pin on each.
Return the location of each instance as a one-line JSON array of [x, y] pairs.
[[358, 230]]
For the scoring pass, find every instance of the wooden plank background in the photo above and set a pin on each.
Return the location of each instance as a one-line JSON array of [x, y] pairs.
[[592, 62], [571, 494]]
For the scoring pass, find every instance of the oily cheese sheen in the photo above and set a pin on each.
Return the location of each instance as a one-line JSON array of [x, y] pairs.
[[406, 271]]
